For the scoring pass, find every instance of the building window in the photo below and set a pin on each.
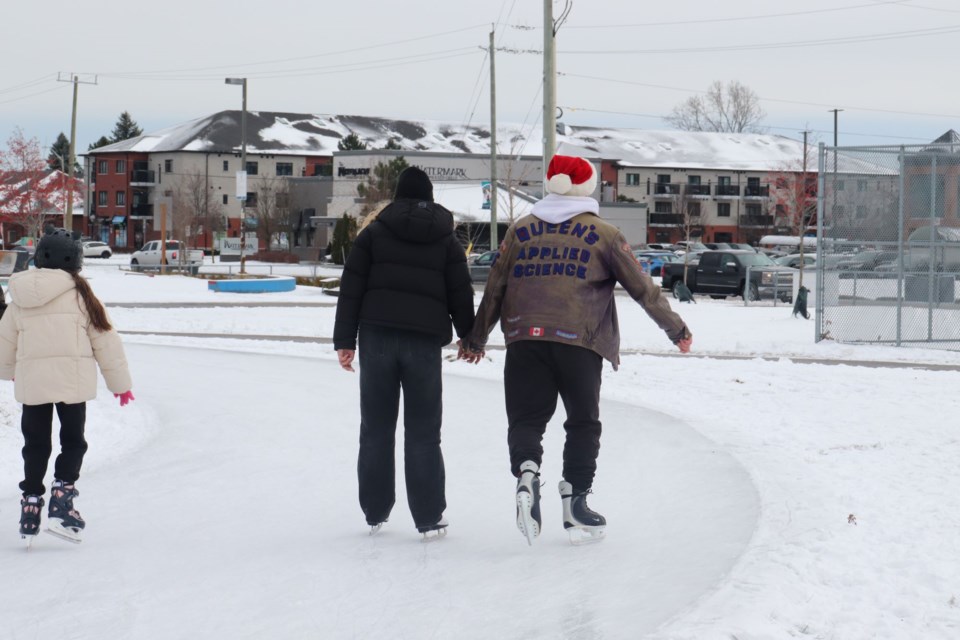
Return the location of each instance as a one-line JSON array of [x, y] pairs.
[[226, 165], [226, 199], [252, 167], [168, 166], [121, 198], [693, 208], [723, 181], [633, 179], [861, 211], [839, 185], [101, 198], [121, 166], [693, 180], [284, 168], [251, 199], [663, 178], [861, 185], [753, 209], [103, 167], [723, 209], [663, 207]]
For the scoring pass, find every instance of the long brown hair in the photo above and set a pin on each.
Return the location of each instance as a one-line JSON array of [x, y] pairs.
[[95, 310]]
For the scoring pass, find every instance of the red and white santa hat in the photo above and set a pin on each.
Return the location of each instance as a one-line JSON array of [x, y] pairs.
[[571, 176]]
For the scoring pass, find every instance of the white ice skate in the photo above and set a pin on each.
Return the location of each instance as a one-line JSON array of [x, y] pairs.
[[583, 525]]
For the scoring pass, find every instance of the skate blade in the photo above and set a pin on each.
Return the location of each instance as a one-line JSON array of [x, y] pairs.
[[585, 535], [57, 530], [525, 522], [375, 528], [433, 536], [28, 539]]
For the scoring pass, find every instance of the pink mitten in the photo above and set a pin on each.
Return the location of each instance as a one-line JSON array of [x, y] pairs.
[[125, 397]]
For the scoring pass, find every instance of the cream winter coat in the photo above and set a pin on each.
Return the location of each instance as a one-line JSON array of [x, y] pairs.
[[49, 346]]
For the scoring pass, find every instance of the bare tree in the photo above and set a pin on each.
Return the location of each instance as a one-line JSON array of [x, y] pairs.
[[733, 108], [273, 210], [195, 212], [29, 192], [795, 195], [687, 212]]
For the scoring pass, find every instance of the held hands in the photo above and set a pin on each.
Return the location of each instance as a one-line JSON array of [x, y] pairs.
[[468, 354], [346, 356], [125, 397]]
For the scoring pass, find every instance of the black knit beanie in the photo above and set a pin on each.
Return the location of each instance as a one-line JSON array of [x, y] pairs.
[[415, 184]]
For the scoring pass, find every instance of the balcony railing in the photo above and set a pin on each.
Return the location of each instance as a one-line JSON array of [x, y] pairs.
[[757, 221], [141, 211], [698, 189], [143, 176], [665, 189], [666, 218], [728, 190], [756, 191]]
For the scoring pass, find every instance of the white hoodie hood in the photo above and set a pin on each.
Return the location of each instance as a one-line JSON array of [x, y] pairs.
[[556, 209]]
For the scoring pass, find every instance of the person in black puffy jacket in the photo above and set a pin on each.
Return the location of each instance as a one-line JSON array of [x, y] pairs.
[[404, 281]]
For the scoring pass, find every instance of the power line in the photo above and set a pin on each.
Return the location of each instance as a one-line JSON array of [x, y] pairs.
[[661, 117], [766, 16], [283, 60], [876, 37], [806, 104], [31, 95], [29, 84]]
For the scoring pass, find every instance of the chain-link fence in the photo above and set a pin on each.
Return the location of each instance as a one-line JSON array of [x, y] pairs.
[[888, 251]]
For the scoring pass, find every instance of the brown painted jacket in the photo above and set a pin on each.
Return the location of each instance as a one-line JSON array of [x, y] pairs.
[[555, 282]]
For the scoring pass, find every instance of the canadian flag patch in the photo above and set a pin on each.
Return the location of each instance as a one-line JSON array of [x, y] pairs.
[[536, 332]]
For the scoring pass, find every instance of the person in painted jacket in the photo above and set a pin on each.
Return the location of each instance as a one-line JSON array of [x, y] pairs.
[[552, 289]]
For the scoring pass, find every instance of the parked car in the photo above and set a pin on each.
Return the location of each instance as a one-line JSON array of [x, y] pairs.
[[660, 246], [480, 267], [724, 273], [96, 249], [26, 243], [866, 260], [719, 246], [177, 257], [652, 261]]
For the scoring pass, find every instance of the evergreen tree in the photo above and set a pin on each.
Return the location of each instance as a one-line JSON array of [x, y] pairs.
[[351, 142], [102, 142], [59, 151], [125, 128], [392, 144], [343, 235], [383, 183]]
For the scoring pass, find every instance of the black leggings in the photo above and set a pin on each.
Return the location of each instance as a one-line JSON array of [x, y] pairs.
[[37, 426]]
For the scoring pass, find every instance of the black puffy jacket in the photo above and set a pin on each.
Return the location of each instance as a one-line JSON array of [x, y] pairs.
[[406, 270]]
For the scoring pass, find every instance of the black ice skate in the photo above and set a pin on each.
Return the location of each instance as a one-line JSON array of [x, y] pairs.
[[63, 521], [30, 507], [528, 501], [434, 531], [582, 523]]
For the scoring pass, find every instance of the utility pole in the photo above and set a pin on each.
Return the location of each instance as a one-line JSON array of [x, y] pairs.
[[75, 79], [494, 232], [549, 89], [835, 112]]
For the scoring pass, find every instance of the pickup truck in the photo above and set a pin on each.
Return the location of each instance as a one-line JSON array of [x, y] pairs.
[[724, 273], [178, 257]]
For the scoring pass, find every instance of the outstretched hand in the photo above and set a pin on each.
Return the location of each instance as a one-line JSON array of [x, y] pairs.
[[684, 345], [471, 356], [125, 397]]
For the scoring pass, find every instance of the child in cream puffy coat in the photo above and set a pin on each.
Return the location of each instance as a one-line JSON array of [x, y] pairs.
[[53, 336]]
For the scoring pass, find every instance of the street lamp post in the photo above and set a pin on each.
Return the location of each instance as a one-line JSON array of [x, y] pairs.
[[242, 174]]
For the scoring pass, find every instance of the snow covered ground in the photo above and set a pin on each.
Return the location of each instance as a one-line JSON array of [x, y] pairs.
[[747, 497]]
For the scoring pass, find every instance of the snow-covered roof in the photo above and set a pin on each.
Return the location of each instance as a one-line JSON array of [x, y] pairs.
[[313, 134]]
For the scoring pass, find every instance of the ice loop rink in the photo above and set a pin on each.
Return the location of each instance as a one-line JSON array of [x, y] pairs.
[[748, 497]]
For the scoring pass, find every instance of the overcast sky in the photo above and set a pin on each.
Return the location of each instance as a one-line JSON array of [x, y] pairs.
[[624, 63]]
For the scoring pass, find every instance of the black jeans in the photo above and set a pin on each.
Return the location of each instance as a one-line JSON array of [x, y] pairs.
[[536, 372], [391, 360], [37, 427]]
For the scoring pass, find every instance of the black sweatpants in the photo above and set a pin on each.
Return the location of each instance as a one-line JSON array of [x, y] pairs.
[[535, 374], [37, 427], [391, 360]]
